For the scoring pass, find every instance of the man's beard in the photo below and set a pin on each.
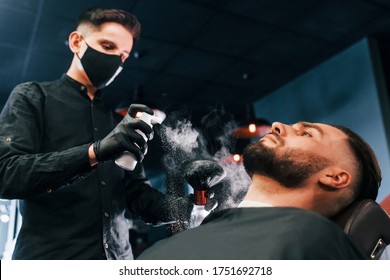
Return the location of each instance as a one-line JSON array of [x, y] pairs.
[[291, 167]]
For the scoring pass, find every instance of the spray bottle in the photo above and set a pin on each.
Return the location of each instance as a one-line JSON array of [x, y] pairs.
[[128, 160]]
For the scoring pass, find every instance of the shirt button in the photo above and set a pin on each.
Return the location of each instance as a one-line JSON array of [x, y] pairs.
[[106, 245], [49, 190], [82, 87], [106, 215], [95, 129], [8, 139], [103, 183]]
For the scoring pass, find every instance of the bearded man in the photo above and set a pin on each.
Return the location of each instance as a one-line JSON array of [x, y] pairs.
[[301, 174]]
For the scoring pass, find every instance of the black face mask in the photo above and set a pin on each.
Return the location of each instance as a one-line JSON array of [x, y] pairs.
[[101, 68]]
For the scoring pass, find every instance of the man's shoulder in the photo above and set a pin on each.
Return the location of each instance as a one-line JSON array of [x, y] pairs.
[[259, 233], [34, 87], [290, 226], [278, 219], [286, 214], [40, 83]]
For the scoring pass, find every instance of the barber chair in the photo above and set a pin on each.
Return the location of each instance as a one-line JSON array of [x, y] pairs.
[[368, 226], [385, 204]]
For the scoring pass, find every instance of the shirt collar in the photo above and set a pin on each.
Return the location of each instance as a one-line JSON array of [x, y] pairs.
[[79, 86], [252, 203]]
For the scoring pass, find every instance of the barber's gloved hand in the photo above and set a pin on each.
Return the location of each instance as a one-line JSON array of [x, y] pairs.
[[136, 108], [212, 202], [124, 137], [200, 212]]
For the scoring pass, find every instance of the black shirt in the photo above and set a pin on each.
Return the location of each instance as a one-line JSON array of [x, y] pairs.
[[69, 210]]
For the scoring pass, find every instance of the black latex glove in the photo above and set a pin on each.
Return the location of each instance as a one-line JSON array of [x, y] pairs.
[[135, 108], [124, 137]]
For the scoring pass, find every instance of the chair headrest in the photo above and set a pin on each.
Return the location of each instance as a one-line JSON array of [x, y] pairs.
[[367, 224]]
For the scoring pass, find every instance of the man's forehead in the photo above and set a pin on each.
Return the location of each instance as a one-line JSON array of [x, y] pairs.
[[323, 129], [331, 130]]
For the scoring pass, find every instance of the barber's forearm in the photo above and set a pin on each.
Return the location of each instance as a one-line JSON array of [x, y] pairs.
[[29, 174]]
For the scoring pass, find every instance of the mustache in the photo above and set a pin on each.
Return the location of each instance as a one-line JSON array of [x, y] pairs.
[[279, 139]]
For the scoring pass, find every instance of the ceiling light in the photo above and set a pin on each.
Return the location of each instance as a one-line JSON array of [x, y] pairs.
[[251, 127]]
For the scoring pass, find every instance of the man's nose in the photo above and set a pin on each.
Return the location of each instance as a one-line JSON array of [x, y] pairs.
[[279, 128]]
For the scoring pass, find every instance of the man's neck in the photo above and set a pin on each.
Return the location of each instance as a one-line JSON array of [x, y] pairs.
[[81, 77], [266, 190]]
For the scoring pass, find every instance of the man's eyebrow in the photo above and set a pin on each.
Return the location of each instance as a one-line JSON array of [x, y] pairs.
[[312, 125]]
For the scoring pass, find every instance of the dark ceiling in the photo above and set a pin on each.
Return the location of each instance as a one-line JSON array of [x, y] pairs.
[[193, 55]]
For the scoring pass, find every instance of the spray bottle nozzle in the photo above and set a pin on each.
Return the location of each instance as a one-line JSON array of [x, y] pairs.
[[151, 119]]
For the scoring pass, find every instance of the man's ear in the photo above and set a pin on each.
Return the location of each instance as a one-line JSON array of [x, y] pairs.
[[74, 41], [336, 178]]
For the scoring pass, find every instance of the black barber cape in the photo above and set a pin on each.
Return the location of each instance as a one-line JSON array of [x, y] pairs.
[[272, 233]]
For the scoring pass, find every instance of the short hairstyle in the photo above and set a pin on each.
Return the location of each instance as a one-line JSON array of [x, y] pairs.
[[98, 16], [369, 172]]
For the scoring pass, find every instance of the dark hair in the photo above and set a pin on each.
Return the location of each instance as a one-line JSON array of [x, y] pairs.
[[370, 175], [98, 16]]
